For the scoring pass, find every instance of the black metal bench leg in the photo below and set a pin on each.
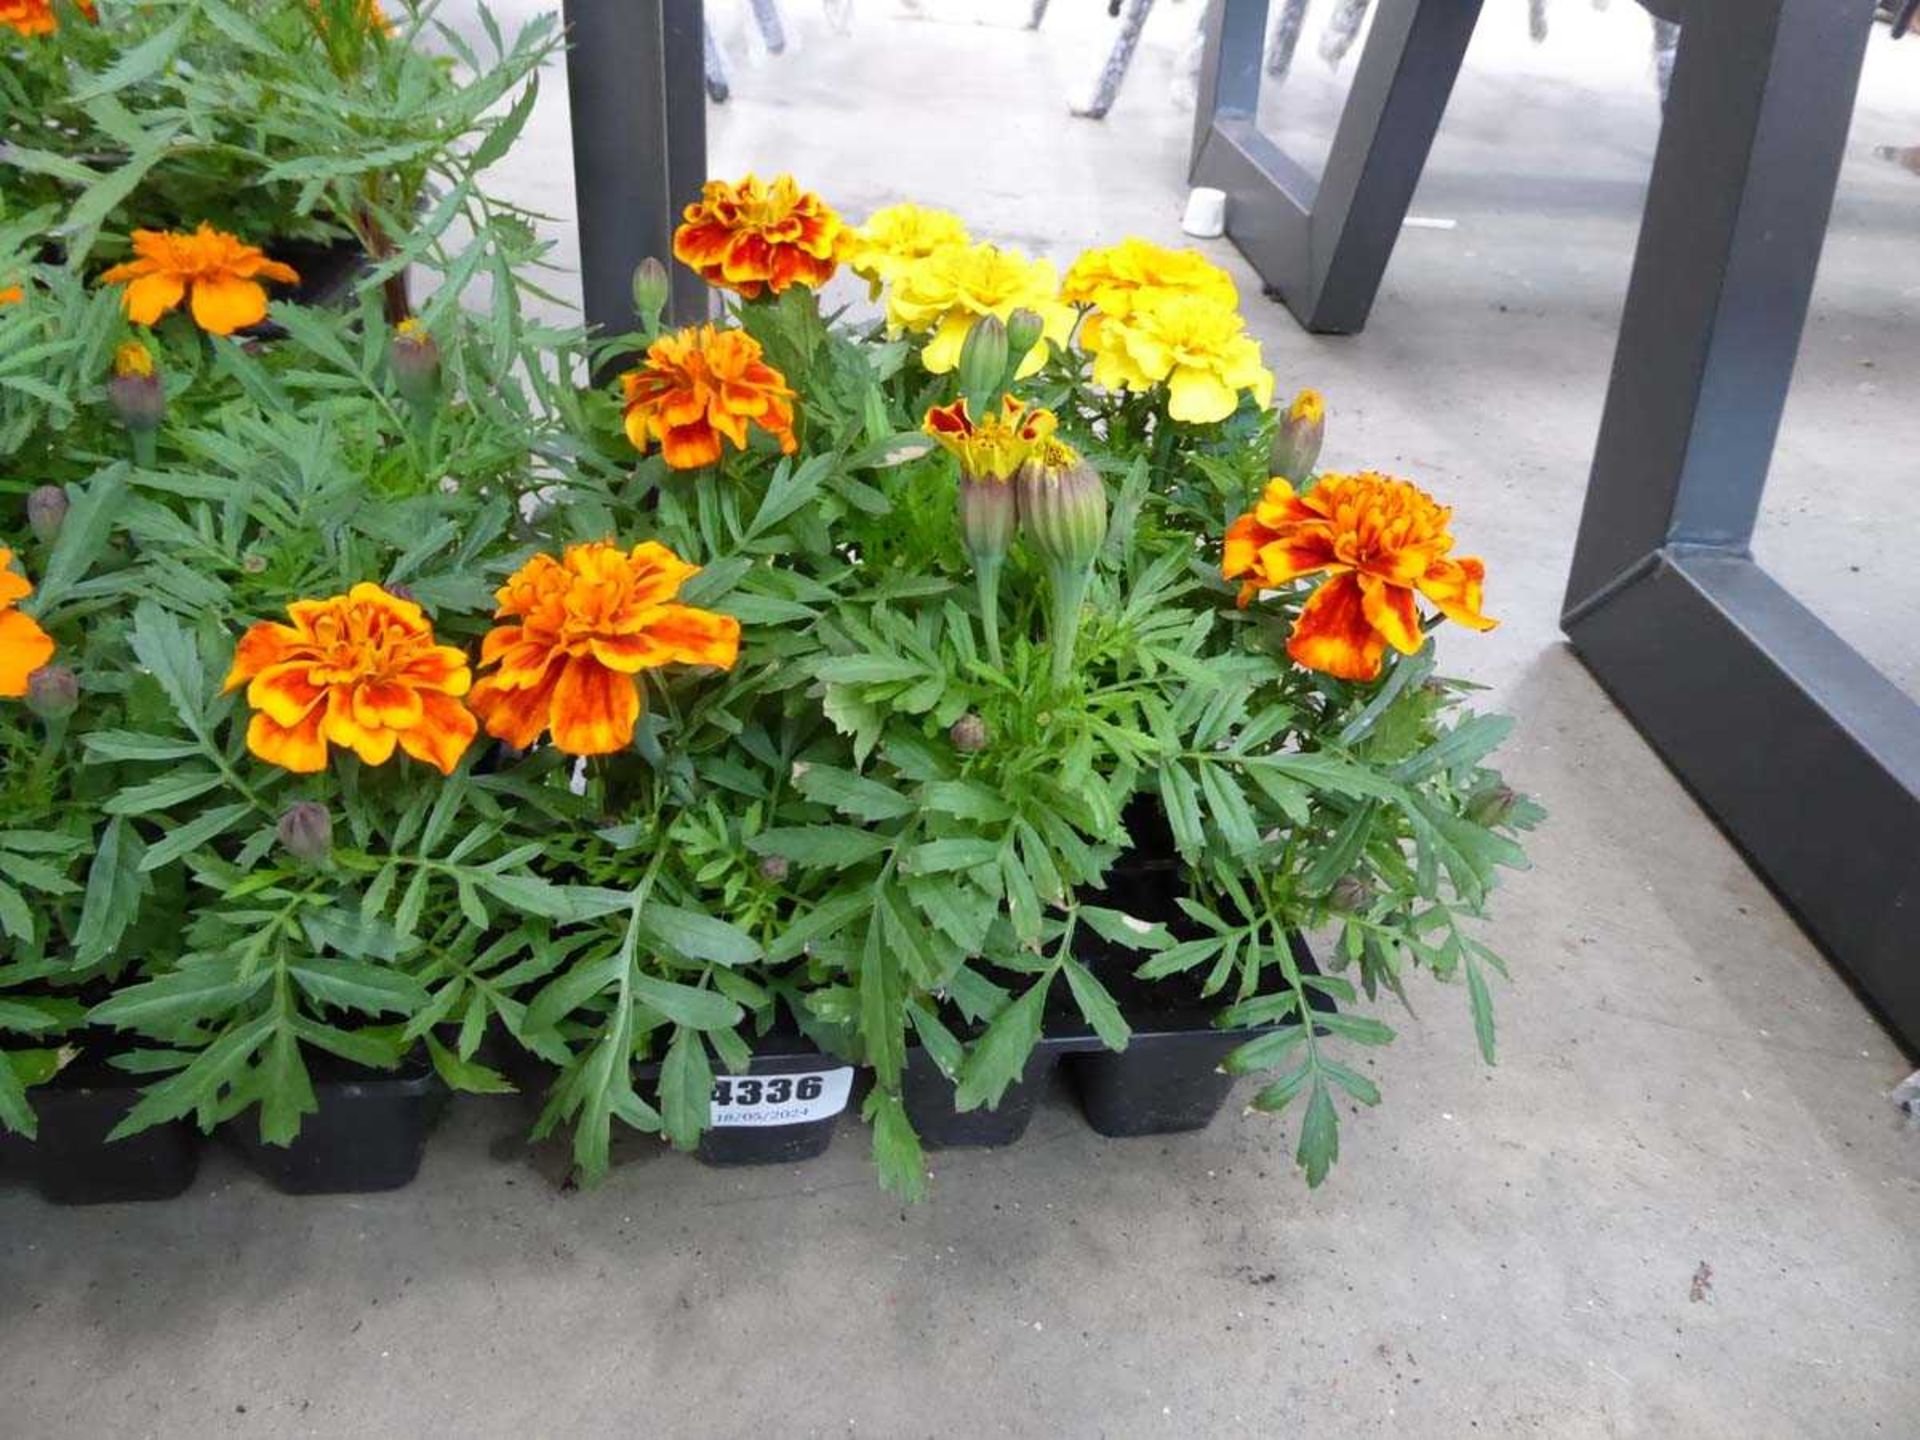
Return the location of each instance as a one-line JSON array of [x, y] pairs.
[[1322, 244], [1805, 755]]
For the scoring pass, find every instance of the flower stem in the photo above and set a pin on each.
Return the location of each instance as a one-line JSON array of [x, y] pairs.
[[145, 448], [1069, 590], [986, 574]]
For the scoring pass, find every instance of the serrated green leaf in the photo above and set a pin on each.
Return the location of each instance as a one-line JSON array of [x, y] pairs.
[[686, 1088], [1096, 1005], [999, 1056]]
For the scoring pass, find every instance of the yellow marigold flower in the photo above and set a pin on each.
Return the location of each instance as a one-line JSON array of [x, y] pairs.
[[895, 237], [749, 236], [359, 670], [588, 624], [24, 646], [996, 446], [221, 274], [1196, 347], [36, 17], [943, 294], [1110, 278], [699, 384], [1380, 541], [11, 294]]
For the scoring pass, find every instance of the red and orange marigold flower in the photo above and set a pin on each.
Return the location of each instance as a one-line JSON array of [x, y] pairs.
[[24, 646], [1380, 541], [359, 670], [584, 627], [700, 384], [36, 17], [218, 275], [749, 236]]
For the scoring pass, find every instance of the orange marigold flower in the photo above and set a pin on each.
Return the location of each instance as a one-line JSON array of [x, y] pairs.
[[360, 670], [1380, 540], [36, 17], [587, 625], [24, 646], [222, 273], [749, 236], [701, 383], [11, 294]]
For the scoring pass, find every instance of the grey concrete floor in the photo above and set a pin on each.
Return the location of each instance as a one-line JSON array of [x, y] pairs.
[[1681, 1205]]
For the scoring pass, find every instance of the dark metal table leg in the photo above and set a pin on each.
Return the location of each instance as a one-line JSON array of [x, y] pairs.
[[1806, 755], [1323, 244], [634, 78]]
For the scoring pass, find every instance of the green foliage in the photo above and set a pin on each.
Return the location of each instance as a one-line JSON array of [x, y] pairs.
[[865, 830]]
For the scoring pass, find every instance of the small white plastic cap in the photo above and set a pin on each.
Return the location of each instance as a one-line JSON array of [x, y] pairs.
[[1206, 217]]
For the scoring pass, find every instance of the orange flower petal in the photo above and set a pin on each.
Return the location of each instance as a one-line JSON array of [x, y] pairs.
[[696, 637], [342, 727], [285, 692], [1454, 587], [446, 729], [1390, 610], [263, 645], [151, 296], [13, 585], [299, 748], [1333, 634], [515, 716], [594, 709], [24, 648], [222, 306]]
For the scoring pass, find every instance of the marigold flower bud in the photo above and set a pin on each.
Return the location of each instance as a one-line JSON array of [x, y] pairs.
[[969, 734], [53, 692], [988, 514], [1297, 438], [1349, 894], [651, 286], [415, 358], [774, 868], [306, 831], [1063, 506], [46, 509], [1024, 330], [983, 360], [136, 392], [1492, 806]]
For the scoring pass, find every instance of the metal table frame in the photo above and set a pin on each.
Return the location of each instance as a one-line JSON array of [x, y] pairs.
[[1805, 755], [1323, 244]]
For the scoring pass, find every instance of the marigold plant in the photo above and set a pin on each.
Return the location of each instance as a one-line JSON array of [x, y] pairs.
[[753, 237], [896, 237], [585, 627], [1195, 347], [1380, 541], [361, 671], [1112, 278], [941, 295], [700, 385], [218, 275]]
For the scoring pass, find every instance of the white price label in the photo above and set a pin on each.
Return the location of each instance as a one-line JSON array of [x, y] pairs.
[[780, 1099]]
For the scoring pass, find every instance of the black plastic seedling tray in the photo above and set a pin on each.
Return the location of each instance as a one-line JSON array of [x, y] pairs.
[[1166, 1081], [72, 1162], [368, 1134]]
